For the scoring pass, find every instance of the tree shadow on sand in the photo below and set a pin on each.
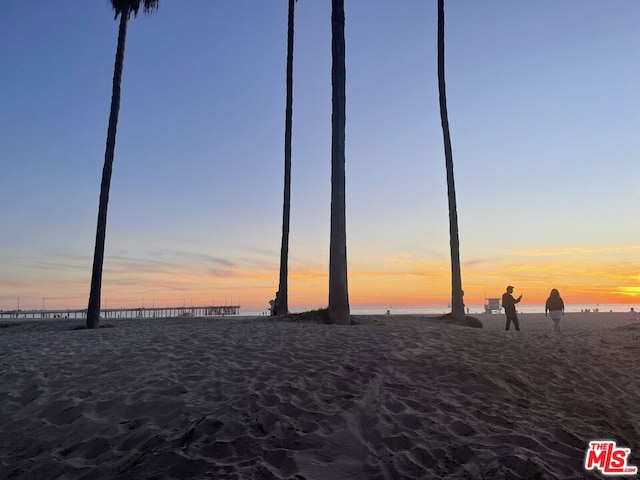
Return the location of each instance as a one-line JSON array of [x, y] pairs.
[[322, 316], [468, 321], [11, 324], [84, 327], [313, 316]]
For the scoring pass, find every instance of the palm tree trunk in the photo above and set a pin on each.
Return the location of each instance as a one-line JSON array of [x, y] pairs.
[[93, 310], [457, 303], [283, 297], [338, 289]]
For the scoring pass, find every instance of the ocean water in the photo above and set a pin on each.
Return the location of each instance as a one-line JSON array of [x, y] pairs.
[[473, 309]]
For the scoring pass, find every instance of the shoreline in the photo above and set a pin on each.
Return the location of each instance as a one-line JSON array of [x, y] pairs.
[[245, 397]]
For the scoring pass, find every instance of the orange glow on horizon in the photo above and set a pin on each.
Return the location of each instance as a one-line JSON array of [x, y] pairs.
[[398, 280]]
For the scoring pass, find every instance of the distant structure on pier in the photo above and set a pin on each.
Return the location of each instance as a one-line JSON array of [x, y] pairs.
[[141, 312]]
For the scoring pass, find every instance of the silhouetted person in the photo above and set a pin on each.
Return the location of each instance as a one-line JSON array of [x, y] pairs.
[[463, 305], [274, 304], [509, 305], [555, 307]]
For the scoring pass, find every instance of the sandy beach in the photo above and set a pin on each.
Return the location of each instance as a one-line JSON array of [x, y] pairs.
[[394, 397]]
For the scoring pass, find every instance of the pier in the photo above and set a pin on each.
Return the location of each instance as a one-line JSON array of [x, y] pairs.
[[140, 312]]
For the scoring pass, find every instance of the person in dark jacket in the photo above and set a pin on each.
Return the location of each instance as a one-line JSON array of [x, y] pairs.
[[509, 305], [555, 307]]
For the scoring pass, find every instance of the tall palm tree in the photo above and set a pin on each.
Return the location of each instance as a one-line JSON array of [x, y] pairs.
[[283, 289], [124, 9], [457, 303], [338, 289]]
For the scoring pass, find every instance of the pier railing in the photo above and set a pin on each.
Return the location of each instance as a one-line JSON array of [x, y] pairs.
[[140, 312]]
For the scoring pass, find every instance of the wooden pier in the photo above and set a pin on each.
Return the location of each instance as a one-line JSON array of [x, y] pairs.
[[141, 312]]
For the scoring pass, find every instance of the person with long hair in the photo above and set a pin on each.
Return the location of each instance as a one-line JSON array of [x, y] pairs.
[[555, 308]]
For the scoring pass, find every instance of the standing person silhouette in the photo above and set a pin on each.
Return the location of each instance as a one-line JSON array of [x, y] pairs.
[[555, 307], [509, 305], [273, 305]]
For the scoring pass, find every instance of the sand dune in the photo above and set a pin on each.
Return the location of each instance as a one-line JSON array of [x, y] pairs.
[[256, 398]]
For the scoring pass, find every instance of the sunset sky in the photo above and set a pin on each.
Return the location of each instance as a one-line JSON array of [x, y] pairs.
[[544, 109]]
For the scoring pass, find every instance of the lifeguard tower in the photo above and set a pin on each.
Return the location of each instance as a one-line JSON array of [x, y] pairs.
[[491, 305]]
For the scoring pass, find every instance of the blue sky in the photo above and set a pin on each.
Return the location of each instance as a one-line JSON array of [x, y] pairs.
[[544, 109]]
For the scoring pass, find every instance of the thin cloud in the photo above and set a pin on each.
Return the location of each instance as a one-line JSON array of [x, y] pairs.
[[578, 250], [200, 257]]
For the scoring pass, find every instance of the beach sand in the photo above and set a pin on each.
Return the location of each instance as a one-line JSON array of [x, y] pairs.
[[395, 397]]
